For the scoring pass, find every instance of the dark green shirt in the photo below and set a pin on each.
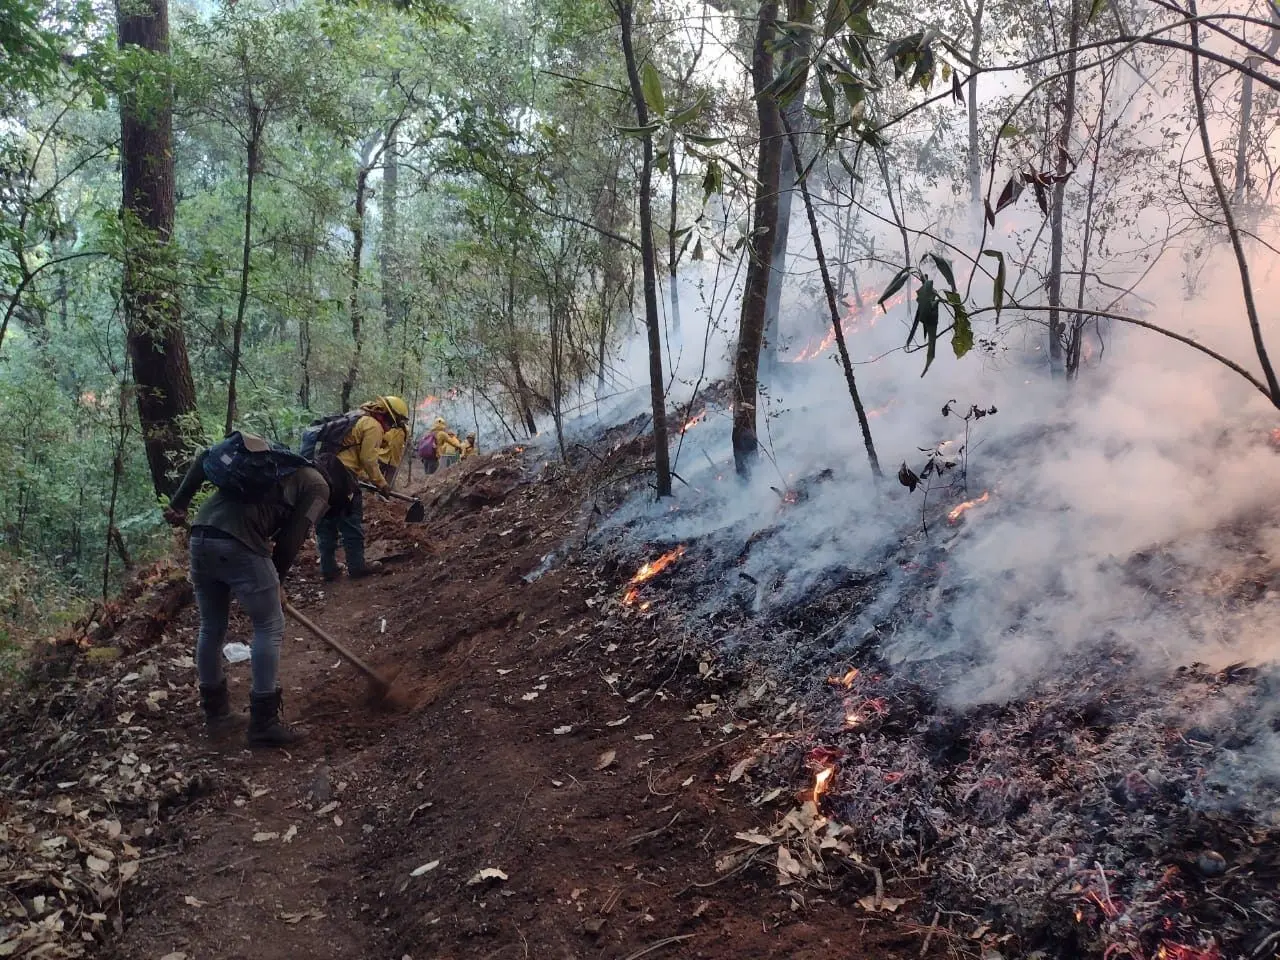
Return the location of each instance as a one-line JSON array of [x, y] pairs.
[[285, 516]]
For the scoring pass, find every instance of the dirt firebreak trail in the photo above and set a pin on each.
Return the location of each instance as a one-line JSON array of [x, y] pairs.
[[553, 790]]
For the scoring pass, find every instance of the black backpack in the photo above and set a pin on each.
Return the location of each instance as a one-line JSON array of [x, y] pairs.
[[250, 468], [325, 436]]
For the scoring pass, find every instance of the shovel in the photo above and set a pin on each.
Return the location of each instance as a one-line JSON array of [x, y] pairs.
[[380, 686], [416, 513]]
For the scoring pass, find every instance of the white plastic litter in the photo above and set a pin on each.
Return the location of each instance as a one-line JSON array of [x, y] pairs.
[[236, 652]]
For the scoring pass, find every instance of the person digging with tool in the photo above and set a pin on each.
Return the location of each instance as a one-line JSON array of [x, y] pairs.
[[370, 441], [245, 538], [448, 446]]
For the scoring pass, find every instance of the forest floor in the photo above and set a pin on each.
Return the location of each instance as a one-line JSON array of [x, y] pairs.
[[551, 733]]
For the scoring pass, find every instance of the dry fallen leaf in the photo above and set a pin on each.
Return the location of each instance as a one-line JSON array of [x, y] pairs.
[[752, 836], [789, 868], [891, 904], [328, 808], [687, 781], [561, 731], [531, 695], [191, 901], [619, 722], [740, 768], [174, 956], [488, 873], [607, 760], [643, 736], [263, 837], [425, 868], [97, 864], [128, 870], [290, 833]]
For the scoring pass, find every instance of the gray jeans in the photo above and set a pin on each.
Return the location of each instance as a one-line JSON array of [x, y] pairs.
[[223, 567]]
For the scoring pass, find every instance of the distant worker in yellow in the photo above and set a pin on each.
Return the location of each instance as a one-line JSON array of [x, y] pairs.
[[369, 442], [448, 446], [469, 448]]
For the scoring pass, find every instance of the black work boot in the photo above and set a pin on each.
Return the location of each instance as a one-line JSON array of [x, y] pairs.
[[373, 568], [266, 729], [217, 706]]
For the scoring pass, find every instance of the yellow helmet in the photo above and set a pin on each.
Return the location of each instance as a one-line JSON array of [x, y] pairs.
[[396, 406]]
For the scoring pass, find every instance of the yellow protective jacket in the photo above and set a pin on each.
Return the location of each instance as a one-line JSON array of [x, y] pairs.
[[360, 450], [447, 444], [391, 450], [468, 449]]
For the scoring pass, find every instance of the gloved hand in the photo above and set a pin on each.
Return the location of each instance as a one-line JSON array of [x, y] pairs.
[[175, 518]]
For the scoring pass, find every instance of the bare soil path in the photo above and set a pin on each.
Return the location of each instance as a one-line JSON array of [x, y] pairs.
[[546, 741]]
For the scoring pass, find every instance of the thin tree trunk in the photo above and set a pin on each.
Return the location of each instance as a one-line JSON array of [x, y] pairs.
[[657, 395], [353, 303], [1075, 341], [237, 335], [760, 247], [1237, 246], [975, 160], [801, 12], [153, 314], [1246, 113], [673, 254], [1058, 201], [863, 423], [389, 250]]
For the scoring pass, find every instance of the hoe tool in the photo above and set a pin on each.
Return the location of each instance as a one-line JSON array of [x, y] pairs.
[[380, 686], [416, 513]]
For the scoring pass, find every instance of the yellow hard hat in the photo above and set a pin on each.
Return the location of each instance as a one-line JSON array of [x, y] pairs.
[[396, 407]]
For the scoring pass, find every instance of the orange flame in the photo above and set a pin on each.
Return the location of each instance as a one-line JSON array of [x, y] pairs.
[[968, 505], [845, 681], [650, 570], [850, 323], [693, 422], [655, 567], [821, 782]]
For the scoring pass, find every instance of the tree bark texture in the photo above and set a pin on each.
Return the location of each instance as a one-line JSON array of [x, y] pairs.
[[353, 304], [1058, 202], [251, 166], [764, 224], [648, 257], [153, 313], [389, 249], [798, 11]]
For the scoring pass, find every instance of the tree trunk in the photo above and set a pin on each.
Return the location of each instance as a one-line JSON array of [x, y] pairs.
[[975, 160], [1075, 337], [673, 253], [389, 249], [657, 395], [1063, 141], [760, 247], [237, 335], [833, 307], [798, 11], [153, 314], [353, 303], [1246, 114]]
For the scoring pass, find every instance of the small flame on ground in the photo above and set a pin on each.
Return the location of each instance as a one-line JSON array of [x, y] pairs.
[[846, 681], [820, 782], [852, 720], [693, 422], [648, 571], [965, 507]]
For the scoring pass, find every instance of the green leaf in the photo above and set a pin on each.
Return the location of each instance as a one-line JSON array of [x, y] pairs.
[[944, 268], [689, 113], [836, 17], [651, 86], [896, 284], [961, 329], [926, 320], [1095, 8], [712, 181], [705, 141], [1010, 130], [644, 131], [997, 295]]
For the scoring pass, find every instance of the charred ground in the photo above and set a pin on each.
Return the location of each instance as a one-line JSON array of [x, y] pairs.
[[643, 778]]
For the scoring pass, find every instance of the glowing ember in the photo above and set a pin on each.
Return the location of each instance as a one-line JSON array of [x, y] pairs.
[[1275, 436], [648, 572], [965, 507], [846, 681], [821, 782], [852, 720]]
